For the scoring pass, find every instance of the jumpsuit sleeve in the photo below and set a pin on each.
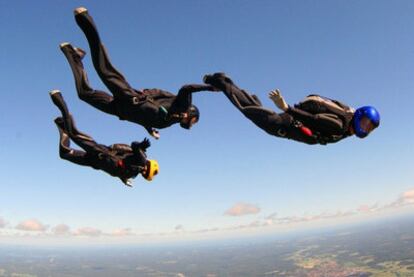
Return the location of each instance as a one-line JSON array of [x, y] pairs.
[[317, 121], [183, 100]]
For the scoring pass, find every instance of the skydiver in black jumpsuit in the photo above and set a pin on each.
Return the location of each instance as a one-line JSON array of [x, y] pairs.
[[151, 108], [316, 120], [118, 160]]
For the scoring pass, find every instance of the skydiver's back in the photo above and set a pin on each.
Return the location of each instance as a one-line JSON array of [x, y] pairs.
[[316, 104]]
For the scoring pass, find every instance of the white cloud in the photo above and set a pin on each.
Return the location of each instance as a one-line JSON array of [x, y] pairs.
[[61, 230], [201, 231], [254, 224], [271, 216], [88, 232], [179, 228], [240, 209], [32, 225], [405, 199], [123, 232], [408, 197], [368, 208], [3, 223], [274, 220]]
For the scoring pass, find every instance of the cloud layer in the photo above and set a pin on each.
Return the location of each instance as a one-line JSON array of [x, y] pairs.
[[3, 223], [124, 232], [87, 232], [179, 228], [36, 227]]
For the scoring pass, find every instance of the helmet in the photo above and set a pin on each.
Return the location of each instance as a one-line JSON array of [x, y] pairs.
[[193, 112], [365, 112], [152, 170]]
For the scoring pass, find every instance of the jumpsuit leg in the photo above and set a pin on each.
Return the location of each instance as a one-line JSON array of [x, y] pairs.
[[67, 153], [109, 75], [58, 100], [240, 98], [249, 105], [98, 99], [83, 140]]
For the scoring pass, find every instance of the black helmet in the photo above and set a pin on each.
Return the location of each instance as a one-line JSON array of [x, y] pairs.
[[192, 112]]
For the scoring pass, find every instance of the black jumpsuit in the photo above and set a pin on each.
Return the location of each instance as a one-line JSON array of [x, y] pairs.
[[326, 123], [118, 160], [138, 106]]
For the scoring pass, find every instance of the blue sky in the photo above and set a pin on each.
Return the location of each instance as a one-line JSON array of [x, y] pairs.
[[359, 52]]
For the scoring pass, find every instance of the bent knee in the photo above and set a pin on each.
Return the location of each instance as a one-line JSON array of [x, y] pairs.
[[85, 94], [65, 152]]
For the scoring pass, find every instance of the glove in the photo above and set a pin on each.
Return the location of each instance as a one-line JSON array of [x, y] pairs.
[[145, 144], [277, 98]]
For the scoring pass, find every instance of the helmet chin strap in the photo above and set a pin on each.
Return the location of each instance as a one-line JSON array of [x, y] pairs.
[[144, 169], [351, 129]]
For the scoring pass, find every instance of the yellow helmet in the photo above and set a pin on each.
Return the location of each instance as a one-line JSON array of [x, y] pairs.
[[151, 170]]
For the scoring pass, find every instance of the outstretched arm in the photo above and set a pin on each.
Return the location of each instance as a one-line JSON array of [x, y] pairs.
[[277, 98], [183, 99], [188, 89]]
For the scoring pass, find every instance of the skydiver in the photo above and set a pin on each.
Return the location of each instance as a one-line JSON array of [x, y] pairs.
[[316, 120], [151, 108], [118, 160]]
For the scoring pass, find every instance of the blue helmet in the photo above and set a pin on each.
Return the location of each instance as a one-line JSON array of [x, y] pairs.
[[369, 112]]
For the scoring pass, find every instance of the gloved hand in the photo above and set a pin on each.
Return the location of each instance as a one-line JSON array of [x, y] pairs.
[[155, 134], [128, 182], [145, 143], [277, 98]]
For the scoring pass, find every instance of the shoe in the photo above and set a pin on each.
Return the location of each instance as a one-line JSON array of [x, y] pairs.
[[53, 92], [80, 53], [79, 10], [57, 98], [64, 44]]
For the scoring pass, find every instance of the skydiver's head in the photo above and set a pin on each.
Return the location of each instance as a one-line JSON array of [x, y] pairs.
[[190, 118], [365, 120], [151, 169]]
